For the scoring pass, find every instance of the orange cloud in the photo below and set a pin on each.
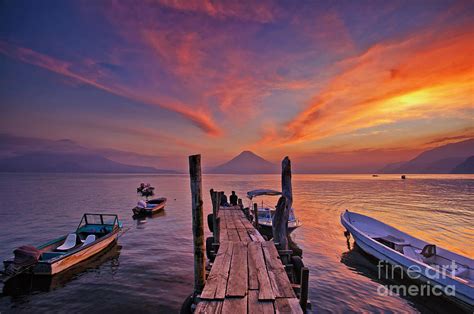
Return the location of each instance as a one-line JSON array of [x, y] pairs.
[[424, 75], [89, 75]]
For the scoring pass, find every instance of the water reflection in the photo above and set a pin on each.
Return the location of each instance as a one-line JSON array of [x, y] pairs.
[[389, 278]]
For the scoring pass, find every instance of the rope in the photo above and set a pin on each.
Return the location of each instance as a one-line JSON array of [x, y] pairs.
[[123, 232]]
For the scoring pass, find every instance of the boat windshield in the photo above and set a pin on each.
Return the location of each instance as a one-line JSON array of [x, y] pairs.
[[99, 219], [264, 214]]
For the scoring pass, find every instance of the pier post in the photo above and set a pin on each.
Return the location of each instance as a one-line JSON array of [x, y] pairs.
[[282, 212], [216, 200], [255, 214], [197, 220], [304, 288]]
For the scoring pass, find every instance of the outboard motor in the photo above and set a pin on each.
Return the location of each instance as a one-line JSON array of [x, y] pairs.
[[25, 257]]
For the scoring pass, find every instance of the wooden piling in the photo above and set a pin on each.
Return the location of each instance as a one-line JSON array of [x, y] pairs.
[[304, 288], [197, 220], [215, 198], [255, 215], [282, 211]]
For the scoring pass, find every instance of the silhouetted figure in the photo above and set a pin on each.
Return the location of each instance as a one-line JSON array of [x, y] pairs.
[[224, 200], [233, 199]]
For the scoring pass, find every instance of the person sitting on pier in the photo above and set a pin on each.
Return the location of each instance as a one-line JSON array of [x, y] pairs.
[[224, 200], [233, 199]]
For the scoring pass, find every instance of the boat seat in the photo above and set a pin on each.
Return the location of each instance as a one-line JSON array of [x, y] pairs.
[[410, 252], [394, 240], [90, 238], [69, 243]]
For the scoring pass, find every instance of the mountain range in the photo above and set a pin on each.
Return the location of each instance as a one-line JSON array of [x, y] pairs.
[[22, 154], [443, 159]]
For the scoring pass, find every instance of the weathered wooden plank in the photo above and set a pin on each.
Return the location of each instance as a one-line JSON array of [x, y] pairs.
[[252, 248], [216, 283], [238, 275], [244, 236], [257, 307], [224, 235], [230, 222], [247, 224], [233, 235], [258, 274], [255, 235], [287, 305], [238, 223], [234, 305], [280, 283], [209, 307]]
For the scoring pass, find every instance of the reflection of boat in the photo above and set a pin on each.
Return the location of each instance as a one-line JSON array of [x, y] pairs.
[[94, 234], [28, 283], [363, 264], [266, 213], [149, 207], [426, 262]]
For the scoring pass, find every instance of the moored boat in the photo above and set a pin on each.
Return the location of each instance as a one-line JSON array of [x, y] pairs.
[[426, 262], [95, 233], [266, 213], [149, 207]]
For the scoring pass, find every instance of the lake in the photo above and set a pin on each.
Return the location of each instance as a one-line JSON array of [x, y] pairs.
[[151, 270]]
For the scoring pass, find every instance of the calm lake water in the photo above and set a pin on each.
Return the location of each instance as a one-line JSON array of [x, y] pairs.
[[152, 268]]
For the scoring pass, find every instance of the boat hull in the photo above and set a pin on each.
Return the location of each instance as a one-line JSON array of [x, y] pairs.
[[267, 231], [150, 211], [464, 295], [48, 268]]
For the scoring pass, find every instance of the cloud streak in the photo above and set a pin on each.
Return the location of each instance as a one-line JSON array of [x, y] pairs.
[[90, 75]]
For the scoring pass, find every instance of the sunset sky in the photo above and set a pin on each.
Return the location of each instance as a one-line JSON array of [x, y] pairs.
[[170, 78]]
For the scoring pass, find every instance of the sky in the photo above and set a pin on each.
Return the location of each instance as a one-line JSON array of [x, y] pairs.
[[332, 81]]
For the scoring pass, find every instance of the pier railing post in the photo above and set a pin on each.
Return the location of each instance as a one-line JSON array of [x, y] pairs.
[[304, 288], [197, 220], [215, 198], [255, 214]]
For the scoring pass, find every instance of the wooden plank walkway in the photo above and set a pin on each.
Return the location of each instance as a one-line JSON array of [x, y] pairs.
[[247, 275]]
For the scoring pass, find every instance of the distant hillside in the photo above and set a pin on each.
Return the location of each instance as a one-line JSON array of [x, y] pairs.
[[246, 163], [22, 154], [442, 159], [467, 166], [68, 162]]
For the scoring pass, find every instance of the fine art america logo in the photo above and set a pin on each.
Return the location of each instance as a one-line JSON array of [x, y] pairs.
[[430, 275]]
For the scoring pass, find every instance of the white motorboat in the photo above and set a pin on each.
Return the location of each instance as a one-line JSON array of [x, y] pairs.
[[266, 212], [424, 261]]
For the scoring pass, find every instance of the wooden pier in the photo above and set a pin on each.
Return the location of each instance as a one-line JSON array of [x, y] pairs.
[[247, 273]]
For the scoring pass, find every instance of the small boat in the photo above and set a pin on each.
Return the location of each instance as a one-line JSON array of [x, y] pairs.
[[403, 177], [95, 233], [375, 175], [425, 261], [26, 284], [150, 207], [266, 213]]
